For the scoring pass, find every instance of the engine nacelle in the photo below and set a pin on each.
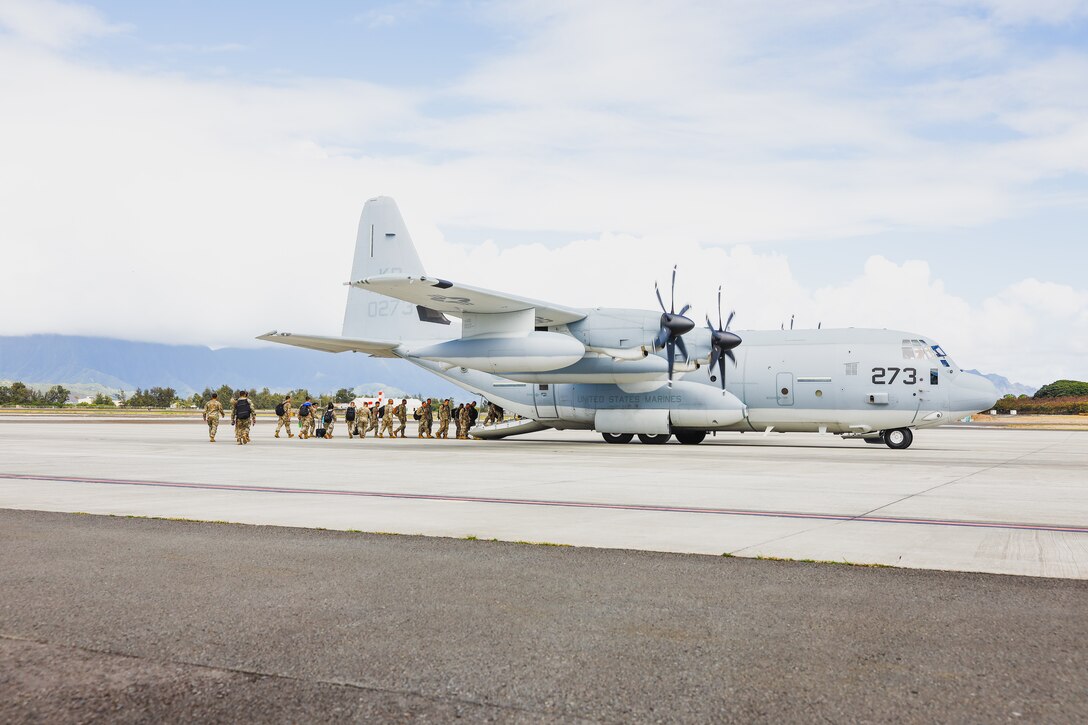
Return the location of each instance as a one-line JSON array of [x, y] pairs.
[[533, 352]]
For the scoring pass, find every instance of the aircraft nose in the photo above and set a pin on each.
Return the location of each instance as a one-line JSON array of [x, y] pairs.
[[973, 393]]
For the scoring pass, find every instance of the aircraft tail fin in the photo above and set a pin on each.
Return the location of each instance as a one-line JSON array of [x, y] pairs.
[[383, 246]]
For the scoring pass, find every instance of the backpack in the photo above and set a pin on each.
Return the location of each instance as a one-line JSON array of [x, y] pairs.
[[242, 409], [349, 414], [417, 413], [328, 417], [280, 409], [304, 410]]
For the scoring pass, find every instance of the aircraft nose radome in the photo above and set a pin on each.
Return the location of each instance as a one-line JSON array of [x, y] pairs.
[[974, 393]]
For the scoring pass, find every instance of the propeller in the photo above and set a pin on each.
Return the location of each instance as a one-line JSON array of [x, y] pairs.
[[722, 342], [673, 326]]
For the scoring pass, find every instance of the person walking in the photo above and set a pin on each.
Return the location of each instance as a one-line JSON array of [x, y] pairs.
[[306, 419], [457, 420], [387, 421], [464, 422], [401, 411], [243, 415], [426, 420], [375, 418], [444, 419], [350, 417], [362, 420], [213, 411], [283, 411], [329, 419]]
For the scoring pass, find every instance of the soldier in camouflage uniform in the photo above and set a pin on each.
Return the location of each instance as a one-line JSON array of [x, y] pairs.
[[387, 422], [375, 419], [426, 420], [243, 420], [285, 419], [353, 420], [362, 420], [213, 410], [464, 420], [233, 400], [444, 419], [401, 412], [306, 422], [329, 420]]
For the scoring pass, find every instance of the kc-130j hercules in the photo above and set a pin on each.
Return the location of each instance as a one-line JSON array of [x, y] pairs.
[[625, 372]]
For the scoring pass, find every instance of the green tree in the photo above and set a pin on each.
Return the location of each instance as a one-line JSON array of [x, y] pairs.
[[56, 395], [343, 395], [103, 399], [1062, 389], [20, 394]]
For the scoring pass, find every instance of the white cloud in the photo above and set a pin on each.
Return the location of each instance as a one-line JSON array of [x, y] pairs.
[[54, 24], [157, 206]]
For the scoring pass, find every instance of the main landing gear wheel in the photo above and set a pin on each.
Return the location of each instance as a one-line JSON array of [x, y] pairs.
[[898, 438], [690, 437], [654, 439], [617, 437]]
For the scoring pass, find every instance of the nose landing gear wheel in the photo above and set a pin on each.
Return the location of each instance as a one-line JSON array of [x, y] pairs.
[[690, 437], [617, 437], [654, 439], [898, 438]]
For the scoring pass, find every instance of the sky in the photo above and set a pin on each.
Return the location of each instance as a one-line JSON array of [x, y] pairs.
[[194, 172]]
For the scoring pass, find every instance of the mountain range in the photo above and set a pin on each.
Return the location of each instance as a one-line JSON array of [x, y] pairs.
[[1005, 386], [90, 365]]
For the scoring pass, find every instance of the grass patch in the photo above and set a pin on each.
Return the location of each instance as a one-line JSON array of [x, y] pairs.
[[844, 562]]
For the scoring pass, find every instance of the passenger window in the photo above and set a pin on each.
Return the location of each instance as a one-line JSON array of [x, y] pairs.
[[933, 377]]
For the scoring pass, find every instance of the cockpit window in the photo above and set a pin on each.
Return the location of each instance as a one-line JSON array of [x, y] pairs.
[[914, 349], [941, 355]]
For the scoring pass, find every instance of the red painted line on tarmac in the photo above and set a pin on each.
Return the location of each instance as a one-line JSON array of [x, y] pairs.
[[655, 508]]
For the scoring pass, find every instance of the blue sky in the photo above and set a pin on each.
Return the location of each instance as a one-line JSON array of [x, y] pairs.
[[919, 165]]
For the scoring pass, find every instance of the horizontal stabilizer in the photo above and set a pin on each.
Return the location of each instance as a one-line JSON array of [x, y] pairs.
[[375, 348], [460, 299]]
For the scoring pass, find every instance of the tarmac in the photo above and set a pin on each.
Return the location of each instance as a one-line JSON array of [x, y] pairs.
[[965, 499], [108, 619]]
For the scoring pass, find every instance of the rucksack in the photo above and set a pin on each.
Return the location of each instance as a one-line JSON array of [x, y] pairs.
[[280, 409], [304, 410], [242, 409], [328, 417], [349, 414]]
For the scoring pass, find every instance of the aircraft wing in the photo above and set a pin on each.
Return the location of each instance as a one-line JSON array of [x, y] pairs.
[[459, 299], [375, 348]]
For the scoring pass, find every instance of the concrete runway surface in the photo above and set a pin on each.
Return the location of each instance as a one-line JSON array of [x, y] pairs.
[[1000, 501], [136, 620]]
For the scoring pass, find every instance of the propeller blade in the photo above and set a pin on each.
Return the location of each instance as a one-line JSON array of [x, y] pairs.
[[791, 322], [672, 298], [663, 336], [720, 307], [684, 309], [659, 300], [709, 326], [683, 347], [729, 354], [715, 355], [721, 367], [729, 321], [670, 353]]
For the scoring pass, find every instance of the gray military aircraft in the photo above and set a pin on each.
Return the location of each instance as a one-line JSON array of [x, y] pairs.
[[625, 372]]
